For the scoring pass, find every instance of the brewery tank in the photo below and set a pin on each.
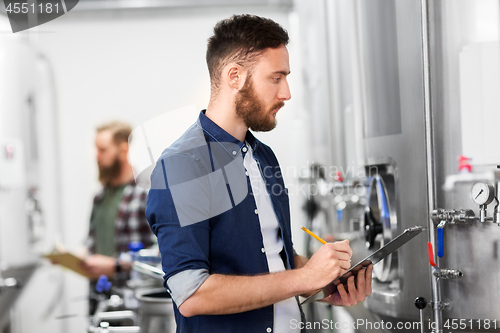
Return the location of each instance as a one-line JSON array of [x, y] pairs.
[[411, 87]]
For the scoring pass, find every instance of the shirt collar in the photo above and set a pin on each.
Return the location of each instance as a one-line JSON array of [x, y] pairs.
[[216, 133]]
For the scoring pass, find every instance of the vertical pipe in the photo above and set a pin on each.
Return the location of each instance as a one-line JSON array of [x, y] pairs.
[[429, 142], [49, 123], [357, 79], [337, 137]]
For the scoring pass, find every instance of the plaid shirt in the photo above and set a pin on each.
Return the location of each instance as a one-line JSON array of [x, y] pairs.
[[130, 224]]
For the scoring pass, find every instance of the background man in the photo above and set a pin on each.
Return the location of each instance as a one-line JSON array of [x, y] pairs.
[[118, 213], [219, 207]]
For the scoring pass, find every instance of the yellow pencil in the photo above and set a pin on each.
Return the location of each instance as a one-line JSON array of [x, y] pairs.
[[312, 234]]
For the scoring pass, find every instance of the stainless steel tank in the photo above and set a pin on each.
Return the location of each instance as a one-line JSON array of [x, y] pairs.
[[412, 84], [18, 169], [465, 80], [374, 51], [394, 141], [29, 192], [157, 311]]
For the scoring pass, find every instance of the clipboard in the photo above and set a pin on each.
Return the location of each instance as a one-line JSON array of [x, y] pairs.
[[68, 260], [373, 258]]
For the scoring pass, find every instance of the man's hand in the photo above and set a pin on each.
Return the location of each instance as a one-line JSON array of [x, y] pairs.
[[354, 294], [97, 265], [329, 262]]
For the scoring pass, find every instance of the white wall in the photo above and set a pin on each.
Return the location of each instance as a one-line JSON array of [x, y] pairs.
[[135, 65]]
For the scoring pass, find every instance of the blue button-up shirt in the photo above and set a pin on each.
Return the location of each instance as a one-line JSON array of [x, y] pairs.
[[204, 233]]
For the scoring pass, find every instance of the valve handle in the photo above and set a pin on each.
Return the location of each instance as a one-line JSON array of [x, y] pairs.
[[102, 284], [440, 242], [338, 177], [464, 164], [430, 253], [135, 246], [420, 302]]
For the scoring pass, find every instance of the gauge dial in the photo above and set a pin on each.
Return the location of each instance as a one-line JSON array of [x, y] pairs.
[[482, 193]]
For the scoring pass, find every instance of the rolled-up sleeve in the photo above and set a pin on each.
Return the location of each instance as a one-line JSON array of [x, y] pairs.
[[183, 284]]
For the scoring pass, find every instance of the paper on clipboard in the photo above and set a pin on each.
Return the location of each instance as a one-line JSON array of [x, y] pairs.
[[68, 260], [373, 258]]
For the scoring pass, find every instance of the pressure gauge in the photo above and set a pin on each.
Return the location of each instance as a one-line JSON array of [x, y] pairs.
[[482, 193]]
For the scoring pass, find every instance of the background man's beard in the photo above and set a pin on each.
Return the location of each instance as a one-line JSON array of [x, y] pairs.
[[110, 173], [250, 108]]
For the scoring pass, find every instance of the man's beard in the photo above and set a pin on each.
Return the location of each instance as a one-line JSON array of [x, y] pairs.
[[109, 173], [251, 109]]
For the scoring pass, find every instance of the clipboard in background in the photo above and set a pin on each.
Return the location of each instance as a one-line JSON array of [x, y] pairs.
[[373, 258], [68, 260]]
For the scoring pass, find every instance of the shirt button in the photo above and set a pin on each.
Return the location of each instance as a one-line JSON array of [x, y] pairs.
[[234, 152], [244, 149], [263, 250], [269, 330], [246, 172], [256, 211]]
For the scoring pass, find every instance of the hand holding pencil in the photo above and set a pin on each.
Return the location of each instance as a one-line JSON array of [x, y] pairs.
[[330, 261], [333, 260]]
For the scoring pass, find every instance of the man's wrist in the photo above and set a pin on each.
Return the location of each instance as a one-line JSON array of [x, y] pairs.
[[118, 266], [298, 281]]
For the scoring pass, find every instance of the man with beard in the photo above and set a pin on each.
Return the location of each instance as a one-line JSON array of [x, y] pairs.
[[219, 207], [118, 213]]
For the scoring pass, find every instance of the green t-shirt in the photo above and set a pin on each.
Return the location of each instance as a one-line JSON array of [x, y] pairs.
[[104, 218]]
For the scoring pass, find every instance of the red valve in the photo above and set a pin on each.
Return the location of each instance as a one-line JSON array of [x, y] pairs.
[[9, 152], [463, 163], [338, 177], [431, 254]]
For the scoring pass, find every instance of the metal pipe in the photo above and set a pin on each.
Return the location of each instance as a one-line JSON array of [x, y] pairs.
[[496, 213], [357, 79], [148, 270], [100, 5], [333, 65], [115, 316], [461, 178], [89, 5], [482, 213], [445, 273], [429, 141]]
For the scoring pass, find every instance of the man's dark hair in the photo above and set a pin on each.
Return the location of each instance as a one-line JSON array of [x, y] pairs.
[[241, 39], [120, 131]]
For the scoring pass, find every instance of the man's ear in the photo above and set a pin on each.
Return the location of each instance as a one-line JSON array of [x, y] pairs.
[[123, 148], [236, 76]]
